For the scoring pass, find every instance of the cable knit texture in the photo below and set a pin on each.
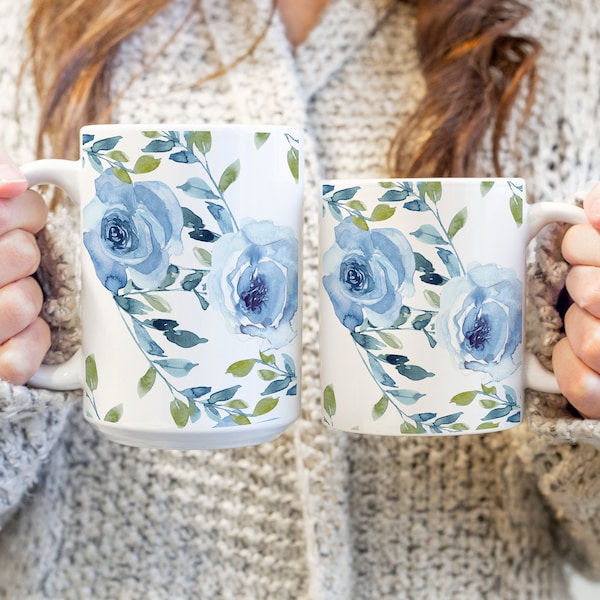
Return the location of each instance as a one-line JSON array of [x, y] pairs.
[[315, 514]]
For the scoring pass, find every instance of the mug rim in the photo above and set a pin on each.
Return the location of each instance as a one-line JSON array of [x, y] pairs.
[[378, 180], [192, 126]]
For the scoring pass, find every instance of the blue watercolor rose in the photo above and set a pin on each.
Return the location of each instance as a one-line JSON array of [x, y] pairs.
[[254, 281], [368, 274], [132, 230], [480, 320]]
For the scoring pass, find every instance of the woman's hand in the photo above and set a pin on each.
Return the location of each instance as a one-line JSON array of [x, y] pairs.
[[24, 336], [576, 358]]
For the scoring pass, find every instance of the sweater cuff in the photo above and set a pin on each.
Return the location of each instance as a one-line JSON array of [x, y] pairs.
[[551, 417], [20, 402]]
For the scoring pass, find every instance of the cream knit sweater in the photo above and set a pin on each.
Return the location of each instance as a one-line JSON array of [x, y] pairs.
[[315, 514]]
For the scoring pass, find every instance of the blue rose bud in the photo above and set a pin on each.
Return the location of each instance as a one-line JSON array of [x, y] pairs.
[[132, 230], [368, 274]]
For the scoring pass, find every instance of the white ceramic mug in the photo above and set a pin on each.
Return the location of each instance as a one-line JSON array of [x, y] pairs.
[[190, 282], [422, 304]]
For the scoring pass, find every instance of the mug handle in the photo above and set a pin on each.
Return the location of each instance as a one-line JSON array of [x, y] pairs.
[[65, 175], [540, 215]]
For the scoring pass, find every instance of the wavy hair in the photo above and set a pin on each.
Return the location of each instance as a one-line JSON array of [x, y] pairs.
[[474, 67]]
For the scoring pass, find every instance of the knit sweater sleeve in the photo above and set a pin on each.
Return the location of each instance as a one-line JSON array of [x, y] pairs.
[[559, 448], [31, 420], [30, 423]]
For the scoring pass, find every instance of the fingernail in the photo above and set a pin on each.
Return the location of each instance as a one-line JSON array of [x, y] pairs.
[[10, 173]]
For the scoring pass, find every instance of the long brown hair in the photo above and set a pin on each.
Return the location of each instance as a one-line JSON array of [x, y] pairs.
[[472, 63]]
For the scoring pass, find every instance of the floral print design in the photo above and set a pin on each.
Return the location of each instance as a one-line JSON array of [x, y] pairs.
[[147, 246], [385, 289]]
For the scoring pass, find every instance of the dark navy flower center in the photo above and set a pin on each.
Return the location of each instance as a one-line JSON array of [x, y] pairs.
[[118, 234], [255, 295], [355, 276], [477, 335]]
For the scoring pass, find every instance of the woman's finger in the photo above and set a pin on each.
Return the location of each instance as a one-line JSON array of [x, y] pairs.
[[21, 356], [581, 245], [21, 303], [583, 333], [583, 285], [12, 180], [579, 384], [26, 211], [19, 256]]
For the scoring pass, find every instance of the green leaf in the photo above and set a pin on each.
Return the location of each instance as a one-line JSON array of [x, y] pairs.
[[237, 404], [458, 222], [146, 382], [379, 409], [241, 368], [146, 164], [293, 160], [329, 400], [240, 419], [488, 403], [356, 205], [121, 174], [432, 298], [411, 429], [180, 412], [459, 427], [118, 156], [267, 358], [151, 134], [382, 212], [203, 256], [267, 374], [464, 398], [488, 425], [260, 138], [157, 303], [489, 390], [91, 372], [201, 139], [485, 187], [433, 189], [516, 208], [360, 222], [265, 405], [230, 174], [114, 414], [390, 340]]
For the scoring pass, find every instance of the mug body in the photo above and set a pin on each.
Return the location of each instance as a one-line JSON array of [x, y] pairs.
[[421, 305], [190, 282]]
